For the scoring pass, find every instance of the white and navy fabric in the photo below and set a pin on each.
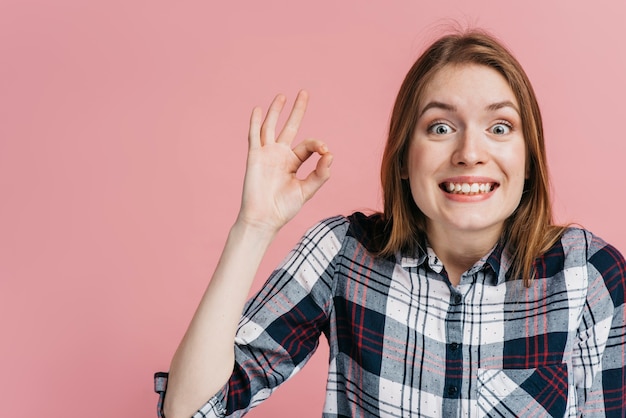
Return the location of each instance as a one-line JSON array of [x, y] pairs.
[[404, 342]]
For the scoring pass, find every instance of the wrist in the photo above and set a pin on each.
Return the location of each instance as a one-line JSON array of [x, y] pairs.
[[254, 231]]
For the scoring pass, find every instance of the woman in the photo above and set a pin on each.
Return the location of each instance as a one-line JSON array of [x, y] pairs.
[[460, 299]]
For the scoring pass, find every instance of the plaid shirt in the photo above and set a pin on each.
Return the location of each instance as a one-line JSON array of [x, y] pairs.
[[405, 342]]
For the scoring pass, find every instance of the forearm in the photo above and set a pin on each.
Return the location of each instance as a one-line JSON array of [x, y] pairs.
[[272, 195], [204, 359]]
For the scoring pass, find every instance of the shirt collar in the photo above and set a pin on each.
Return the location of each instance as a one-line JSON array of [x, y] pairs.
[[408, 260], [498, 260]]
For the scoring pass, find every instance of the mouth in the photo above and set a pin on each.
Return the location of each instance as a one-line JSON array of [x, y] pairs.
[[468, 188]]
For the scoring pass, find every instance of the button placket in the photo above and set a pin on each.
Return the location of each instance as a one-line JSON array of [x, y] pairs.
[[454, 352]]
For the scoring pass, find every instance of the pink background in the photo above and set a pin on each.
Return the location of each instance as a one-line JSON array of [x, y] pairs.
[[122, 147]]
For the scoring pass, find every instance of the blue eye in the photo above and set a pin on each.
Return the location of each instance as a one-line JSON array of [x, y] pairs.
[[500, 129], [440, 128]]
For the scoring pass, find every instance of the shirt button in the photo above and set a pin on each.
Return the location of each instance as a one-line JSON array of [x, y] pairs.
[[454, 346], [452, 390], [458, 299]]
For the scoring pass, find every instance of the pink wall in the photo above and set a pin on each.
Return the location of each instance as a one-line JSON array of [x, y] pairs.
[[122, 146]]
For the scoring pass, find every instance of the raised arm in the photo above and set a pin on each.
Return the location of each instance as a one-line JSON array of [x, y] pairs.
[[272, 195]]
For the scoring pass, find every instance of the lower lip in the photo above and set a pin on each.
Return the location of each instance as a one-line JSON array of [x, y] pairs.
[[468, 198]]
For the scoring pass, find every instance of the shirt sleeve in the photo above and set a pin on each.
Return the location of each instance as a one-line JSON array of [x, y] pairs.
[[600, 355], [281, 325]]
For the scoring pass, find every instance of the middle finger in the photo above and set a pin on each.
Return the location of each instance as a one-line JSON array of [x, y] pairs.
[[292, 125]]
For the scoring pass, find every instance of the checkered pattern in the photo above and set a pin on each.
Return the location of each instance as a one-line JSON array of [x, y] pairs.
[[404, 342]]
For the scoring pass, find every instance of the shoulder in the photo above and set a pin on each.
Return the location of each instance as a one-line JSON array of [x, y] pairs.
[[368, 230], [357, 229], [604, 262], [579, 240], [579, 248]]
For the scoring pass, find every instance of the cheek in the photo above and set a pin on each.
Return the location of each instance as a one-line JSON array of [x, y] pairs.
[[517, 163], [523, 150], [519, 177], [421, 159], [527, 168]]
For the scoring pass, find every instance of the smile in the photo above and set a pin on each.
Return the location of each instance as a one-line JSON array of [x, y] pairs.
[[468, 188]]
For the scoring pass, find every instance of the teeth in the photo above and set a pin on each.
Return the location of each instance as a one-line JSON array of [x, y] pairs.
[[469, 188]]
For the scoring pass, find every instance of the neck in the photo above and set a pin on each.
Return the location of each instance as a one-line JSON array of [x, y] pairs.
[[461, 250]]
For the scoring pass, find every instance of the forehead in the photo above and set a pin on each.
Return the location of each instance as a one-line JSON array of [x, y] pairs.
[[467, 85]]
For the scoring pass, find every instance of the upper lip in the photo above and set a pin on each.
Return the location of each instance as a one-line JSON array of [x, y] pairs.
[[469, 180]]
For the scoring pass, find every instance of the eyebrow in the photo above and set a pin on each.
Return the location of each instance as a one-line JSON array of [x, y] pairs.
[[451, 108], [437, 105], [504, 103]]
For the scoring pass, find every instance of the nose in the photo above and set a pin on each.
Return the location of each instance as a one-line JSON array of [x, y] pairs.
[[470, 148]]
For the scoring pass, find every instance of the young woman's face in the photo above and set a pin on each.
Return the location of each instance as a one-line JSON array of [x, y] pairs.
[[466, 162]]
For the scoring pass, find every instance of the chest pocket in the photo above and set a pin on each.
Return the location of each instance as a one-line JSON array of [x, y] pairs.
[[538, 392]]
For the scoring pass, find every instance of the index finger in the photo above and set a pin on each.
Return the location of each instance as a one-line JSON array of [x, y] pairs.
[[289, 131]]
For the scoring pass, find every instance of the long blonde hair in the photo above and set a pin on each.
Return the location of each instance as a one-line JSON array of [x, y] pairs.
[[529, 231]]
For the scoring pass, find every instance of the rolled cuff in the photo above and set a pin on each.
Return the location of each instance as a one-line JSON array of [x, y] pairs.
[[215, 407]]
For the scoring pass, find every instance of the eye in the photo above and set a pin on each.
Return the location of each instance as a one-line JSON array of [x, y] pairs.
[[500, 128], [440, 128]]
